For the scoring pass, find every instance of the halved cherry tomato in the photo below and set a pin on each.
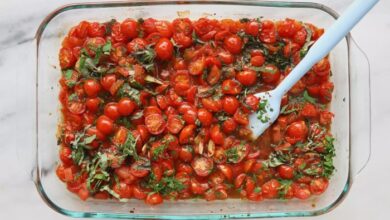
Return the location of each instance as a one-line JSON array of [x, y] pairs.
[[202, 166], [231, 87], [155, 123], [140, 168], [175, 124]]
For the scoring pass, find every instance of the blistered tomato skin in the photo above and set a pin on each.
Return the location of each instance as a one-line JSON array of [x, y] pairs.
[[158, 110]]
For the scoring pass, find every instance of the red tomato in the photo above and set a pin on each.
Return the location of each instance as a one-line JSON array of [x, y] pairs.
[[196, 67], [309, 110], [107, 81], [182, 40], [202, 166], [288, 28], [149, 25], [140, 168], [231, 87], [268, 32], [92, 104], [105, 125], [185, 153], [226, 57], [190, 117], [286, 172], [270, 189], [139, 193], [326, 117], [65, 156], [214, 75], [246, 77], [181, 82], [257, 60], [226, 170], [187, 134], [318, 186], [241, 118], [124, 190], [216, 135], [126, 106], [252, 28], [233, 44], [296, 131], [182, 25], [252, 102], [301, 191], [129, 28], [271, 74], [300, 36], [155, 123], [92, 87], [205, 117], [164, 28], [67, 60], [111, 110], [95, 29], [211, 104], [175, 124], [230, 104], [136, 44], [153, 199], [75, 105], [229, 126], [325, 92], [149, 110], [164, 49]]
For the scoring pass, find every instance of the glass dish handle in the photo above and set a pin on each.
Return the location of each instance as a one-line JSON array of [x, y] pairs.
[[360, 107]]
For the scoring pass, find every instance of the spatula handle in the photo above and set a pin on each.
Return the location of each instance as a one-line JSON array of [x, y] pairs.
[[327, 41]]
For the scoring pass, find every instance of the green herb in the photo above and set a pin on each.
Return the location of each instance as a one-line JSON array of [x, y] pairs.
[[165, 186], [284, 187], [257, 190], [140, 20], [112, 193], [328, 156], [79, 145], [129, 147], [109, 26], [232, 155], [287, 109], [107, 47], [308, 98], [278, 158], [262, 114], [124, 121], [305, 47], [196, 39], [97, 172], [158, 151], [145, 57], [244, 20], [68, 74]]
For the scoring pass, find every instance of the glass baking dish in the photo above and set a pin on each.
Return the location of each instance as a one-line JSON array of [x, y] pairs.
[[351, 105]]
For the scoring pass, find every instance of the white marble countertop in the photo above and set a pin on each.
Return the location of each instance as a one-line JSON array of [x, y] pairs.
[[369, 197]]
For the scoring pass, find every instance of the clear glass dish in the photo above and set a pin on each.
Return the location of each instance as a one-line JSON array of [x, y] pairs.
[[351, 105]]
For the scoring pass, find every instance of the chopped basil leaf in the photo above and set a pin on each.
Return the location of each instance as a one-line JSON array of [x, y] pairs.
[[308, 98]]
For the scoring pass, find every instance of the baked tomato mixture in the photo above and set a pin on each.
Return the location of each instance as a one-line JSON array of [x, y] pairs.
[[158, 110]]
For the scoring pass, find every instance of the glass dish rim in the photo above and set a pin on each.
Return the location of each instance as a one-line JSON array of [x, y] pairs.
[[277, 4]]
